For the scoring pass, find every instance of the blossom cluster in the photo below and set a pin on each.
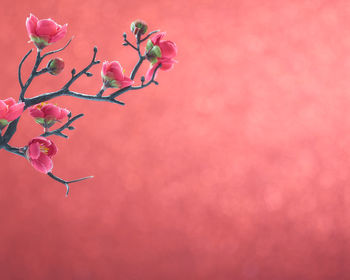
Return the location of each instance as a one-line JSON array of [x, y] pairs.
[[40, 150]]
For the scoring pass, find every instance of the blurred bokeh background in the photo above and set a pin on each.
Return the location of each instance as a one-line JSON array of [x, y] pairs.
[[235, 167]]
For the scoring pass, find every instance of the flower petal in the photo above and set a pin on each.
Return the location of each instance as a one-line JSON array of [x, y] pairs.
[[46, 27], [31, 24], [126, 82], [43, 164], [156, 38], [35, 112], [63, 113], [61, 32], [34, 150], [15, 111], [150, 72], [167, 64], [168, 49], [52, 149], [10, 101], [51, 111], [115, 71], [3, 109]]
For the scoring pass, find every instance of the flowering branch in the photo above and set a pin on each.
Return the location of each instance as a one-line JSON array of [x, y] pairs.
[[42, 33]]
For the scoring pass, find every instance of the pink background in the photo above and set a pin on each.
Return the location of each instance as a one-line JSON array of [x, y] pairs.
[[235, 167]]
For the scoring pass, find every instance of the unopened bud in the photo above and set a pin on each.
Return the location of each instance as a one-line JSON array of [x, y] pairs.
[[138, 27], [153, 52], [55, 66]]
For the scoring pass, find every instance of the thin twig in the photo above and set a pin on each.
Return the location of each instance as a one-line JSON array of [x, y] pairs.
[[31, 77], [42, 71], [149, 35], [127, 43], [66, 183], [20, 68], [56, 51], [150, 81], [76, 76], [58, 131]]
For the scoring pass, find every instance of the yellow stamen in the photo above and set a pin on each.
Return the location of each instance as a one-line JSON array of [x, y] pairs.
[[44, 149]]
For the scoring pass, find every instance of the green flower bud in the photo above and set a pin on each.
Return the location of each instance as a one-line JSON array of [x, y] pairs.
[[138, 27], [55, 66]]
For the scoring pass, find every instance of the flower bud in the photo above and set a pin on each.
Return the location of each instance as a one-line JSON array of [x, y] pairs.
[[153, 52], [138, 27], [55, 66]]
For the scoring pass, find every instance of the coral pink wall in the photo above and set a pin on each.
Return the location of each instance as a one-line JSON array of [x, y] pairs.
[[235, 167]]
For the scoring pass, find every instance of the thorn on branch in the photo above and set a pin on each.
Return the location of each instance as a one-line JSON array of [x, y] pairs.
[[88, 74], [73, 72]]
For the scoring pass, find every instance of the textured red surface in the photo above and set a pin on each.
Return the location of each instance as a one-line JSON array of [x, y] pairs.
[[235, 167]]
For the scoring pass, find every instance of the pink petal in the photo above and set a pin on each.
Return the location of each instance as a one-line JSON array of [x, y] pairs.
[[61, 32], [34, 150], [168, 49], [43, 164], [126, 82], [52, 149], [42, 140], [104, 68], [46, 27], [167, 64], [35, 112], [10, 101], [150, 72], [31, 24], [64, 113], [51, 111], [156, 38], [3, 109], [115, 71], [15, 111]]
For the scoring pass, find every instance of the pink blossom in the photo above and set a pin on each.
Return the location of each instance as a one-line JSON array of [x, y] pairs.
[[39, 153], [160, 52], [113, 75], [9, 111], [45, 31], [47, 114]]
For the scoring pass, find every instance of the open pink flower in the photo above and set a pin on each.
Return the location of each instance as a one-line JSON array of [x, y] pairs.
[[9, 111], [47, 114], [113, 75], [160, 52], [39, 153], [45, 31]]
